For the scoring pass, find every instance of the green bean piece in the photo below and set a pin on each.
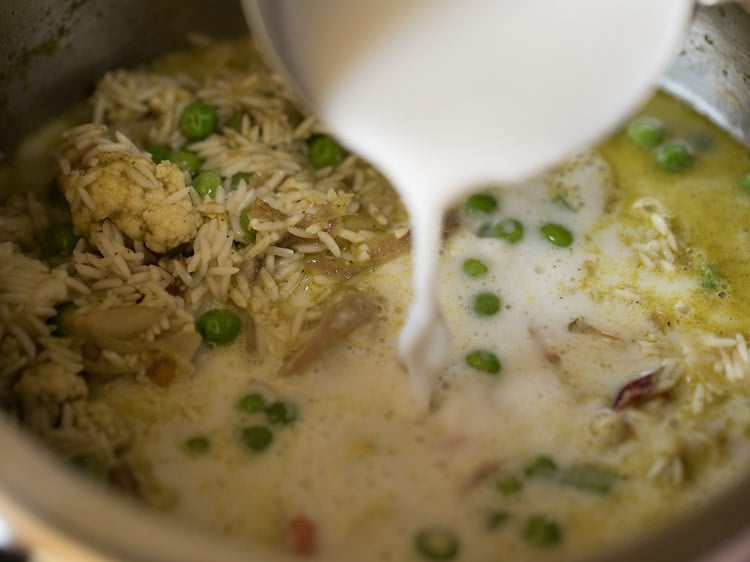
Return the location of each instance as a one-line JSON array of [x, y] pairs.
[[557, 234], [59, 239], [475, 268], [510, 230], [647, 132], [207, 183], [198, 445], [220, 326], [542, 467], [496, 519], [198, 120], [237, 178], [486, 304], [480, 203], [60, 321], [250, 234], [542, 531], [158, 153], [257, 438], [745, 182], [484, 361], [674, 156], [324, 151], [186, 161], [589, 478], [708, 278], [509, 486], [437, 544], [281, 413], [253, 402]]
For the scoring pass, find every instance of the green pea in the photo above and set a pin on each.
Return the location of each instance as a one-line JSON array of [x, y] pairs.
[[542, 531], [557, 234], [186, 161], [235, 121], [510, 230], [542, 466], [60, 321], [745, 182], [236, 178], [257, 437], [509, 486], [485, 361], [324, 151], [480, 203], [486, 304], [674, 156], [198, 445], [59, 239], [253, 402], [496, 519], [250, 234], [206, 183], [437, 544], [589, 478], [281, 413], [198, 120], [474, 268], [158, 153], [219, 326], [647, 132]]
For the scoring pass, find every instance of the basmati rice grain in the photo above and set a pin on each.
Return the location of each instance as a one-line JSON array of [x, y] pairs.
[[86, 199], [330, 243], [23, 339]]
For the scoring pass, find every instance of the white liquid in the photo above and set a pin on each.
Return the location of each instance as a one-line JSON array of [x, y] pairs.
[[444, 95]]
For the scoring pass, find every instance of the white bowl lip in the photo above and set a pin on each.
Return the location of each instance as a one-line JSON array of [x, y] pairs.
[[50, 507]]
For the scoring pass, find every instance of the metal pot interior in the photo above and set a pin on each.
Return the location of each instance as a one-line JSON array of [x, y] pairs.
[[51, 55]]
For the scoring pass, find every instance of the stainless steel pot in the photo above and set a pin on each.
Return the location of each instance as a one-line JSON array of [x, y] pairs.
[[52, 51]]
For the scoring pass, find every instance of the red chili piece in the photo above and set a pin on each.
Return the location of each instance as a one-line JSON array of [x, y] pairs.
[[640, 389], [303, 536]]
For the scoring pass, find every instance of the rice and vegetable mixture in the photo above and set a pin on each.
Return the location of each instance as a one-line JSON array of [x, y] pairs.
[[196, 205], [202, 311]]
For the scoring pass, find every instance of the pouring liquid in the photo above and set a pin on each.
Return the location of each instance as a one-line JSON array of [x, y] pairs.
[[444, 96]]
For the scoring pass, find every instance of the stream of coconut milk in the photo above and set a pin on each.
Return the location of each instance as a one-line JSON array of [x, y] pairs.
[[444, 96]]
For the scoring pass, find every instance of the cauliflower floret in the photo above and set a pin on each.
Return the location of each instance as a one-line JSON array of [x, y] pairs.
[[100, 418], [90, 432], [43, 390], [132, 192]]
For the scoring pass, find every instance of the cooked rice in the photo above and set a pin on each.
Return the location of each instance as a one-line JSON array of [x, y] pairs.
[[297, 214], [659, 251]]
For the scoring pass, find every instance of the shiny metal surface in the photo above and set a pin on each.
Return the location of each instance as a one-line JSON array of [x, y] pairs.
[[51, 53], [712, 71]]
